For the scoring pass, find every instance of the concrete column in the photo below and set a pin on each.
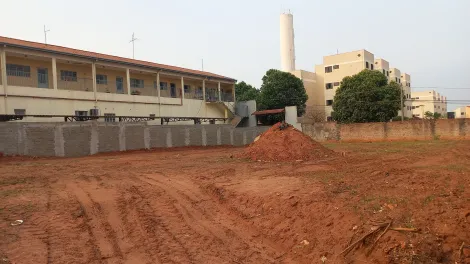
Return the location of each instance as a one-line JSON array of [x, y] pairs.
[[54, 73], [128, 81], [182, 90], [93, 77], [3, 68], [233, 92], [204, 90], [218, 88]]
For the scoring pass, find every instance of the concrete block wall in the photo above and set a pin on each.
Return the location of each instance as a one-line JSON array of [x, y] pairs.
[[81, 139], [407, 130]]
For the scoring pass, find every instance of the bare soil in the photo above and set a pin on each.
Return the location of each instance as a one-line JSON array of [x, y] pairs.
[[202, 206]]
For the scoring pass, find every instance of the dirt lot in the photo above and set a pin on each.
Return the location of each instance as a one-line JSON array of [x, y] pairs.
[[202, 206]]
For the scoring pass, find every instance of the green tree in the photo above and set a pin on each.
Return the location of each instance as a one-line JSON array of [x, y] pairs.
[[281, 89], [245, 92], [366, 97], [431, 115]]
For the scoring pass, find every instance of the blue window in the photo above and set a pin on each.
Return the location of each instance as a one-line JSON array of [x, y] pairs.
[[101, 79], [137, 83], [18, 70], [69, 76]]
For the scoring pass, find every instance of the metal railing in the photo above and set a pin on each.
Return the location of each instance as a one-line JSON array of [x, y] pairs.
[[194, 94], [35, 80], [76, 84], [226, 97], [212, 96], [168, 93]]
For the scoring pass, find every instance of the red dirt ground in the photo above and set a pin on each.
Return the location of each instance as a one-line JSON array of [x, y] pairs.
[[288, 144], [201, 206]]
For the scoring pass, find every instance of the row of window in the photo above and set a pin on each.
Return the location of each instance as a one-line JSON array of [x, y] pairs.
[[331, 85], [71, 76], [329, 69]]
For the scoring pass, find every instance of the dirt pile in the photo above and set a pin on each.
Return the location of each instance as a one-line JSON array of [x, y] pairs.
[[287, 144]]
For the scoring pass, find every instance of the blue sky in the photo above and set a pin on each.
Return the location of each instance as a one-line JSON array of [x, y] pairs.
[[428, 39]]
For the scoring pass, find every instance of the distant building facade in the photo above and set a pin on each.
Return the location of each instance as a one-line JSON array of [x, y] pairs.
[[40, 79], [432, 101]]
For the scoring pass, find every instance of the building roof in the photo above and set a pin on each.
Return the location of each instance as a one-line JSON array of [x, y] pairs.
[[268, 112], [18, 43]]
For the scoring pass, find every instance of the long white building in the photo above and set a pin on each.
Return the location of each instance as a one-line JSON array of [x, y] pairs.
[[42, 79]]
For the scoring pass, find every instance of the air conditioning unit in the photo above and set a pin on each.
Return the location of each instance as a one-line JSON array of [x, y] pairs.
[[94, 112]]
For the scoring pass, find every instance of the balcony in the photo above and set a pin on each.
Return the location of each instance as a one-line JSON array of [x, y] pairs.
[[75, 84]]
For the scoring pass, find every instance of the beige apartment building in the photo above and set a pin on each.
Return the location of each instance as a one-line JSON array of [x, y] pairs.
[[335, 67], [39, 79], [431, 101], [462, 112]]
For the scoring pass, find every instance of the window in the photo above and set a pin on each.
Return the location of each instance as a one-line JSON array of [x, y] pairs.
[[462, 113], [367, 65], [68, 76], [413, 107], [329, 86], [371, 66], [417, 106], [336, 84], [163, 86], [152, 116], [18, 70], [101, 79], [417, 98], [383, 72], [187, 88], [329, 102], [109, 117], [20, 111], [328, 69], [399, 81], [335, 67], [388, 74], [137, 83], [396, 79]]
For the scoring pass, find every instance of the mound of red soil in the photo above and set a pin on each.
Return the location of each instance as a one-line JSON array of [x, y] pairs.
[[285, 145]]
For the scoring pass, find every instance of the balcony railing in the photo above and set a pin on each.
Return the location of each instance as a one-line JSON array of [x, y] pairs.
[[193, 94], [171, 93], [226, 97], [75, 84], [36, 81], [212, 96]]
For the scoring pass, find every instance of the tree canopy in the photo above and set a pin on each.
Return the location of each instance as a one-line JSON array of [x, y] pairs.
[[366, 97], [281, 89], [246, 92], [431, 115]]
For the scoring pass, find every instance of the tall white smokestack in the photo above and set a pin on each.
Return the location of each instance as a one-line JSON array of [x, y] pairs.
[[287, 43]]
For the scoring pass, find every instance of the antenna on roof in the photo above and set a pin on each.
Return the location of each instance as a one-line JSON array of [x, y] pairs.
[[202, 64], [133, 40], [45, 34]]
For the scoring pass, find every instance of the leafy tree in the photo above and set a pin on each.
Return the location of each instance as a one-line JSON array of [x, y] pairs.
[[431, 115], [366, 97], [246, 92], [281, 89]]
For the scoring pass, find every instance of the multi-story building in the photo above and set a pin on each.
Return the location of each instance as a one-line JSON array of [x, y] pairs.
[[462, 112], [335, 67], [428, 101], [42, 79], [405, 81]]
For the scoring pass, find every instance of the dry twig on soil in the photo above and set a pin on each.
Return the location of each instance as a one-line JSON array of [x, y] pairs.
[[346, 250], [377, 239], [404, 229], [460, 251]]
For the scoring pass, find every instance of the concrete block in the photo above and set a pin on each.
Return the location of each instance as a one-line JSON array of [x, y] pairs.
[[211, 134], [41, 140], [134, 137], [195, 135], [178, 135], [158, 138], [226, 135], [108, 138], [76, 140], [9, 139]]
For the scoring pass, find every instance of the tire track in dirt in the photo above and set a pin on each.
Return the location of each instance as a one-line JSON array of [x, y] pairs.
[[101, 231], [151, 215], [207, 220]]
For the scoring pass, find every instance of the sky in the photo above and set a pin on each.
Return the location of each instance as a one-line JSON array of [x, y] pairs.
[[429, 40]]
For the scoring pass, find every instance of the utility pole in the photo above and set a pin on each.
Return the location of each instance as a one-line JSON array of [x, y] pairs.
[[202, 64], [45, 34], [401, 104], [133, 40]]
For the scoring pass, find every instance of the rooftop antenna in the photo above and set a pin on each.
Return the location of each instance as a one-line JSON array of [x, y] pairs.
[[45, 34], [202, 64], [133, 40]]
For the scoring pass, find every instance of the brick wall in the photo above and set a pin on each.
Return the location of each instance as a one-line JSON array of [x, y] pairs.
[[407, 130], [80, 139]]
